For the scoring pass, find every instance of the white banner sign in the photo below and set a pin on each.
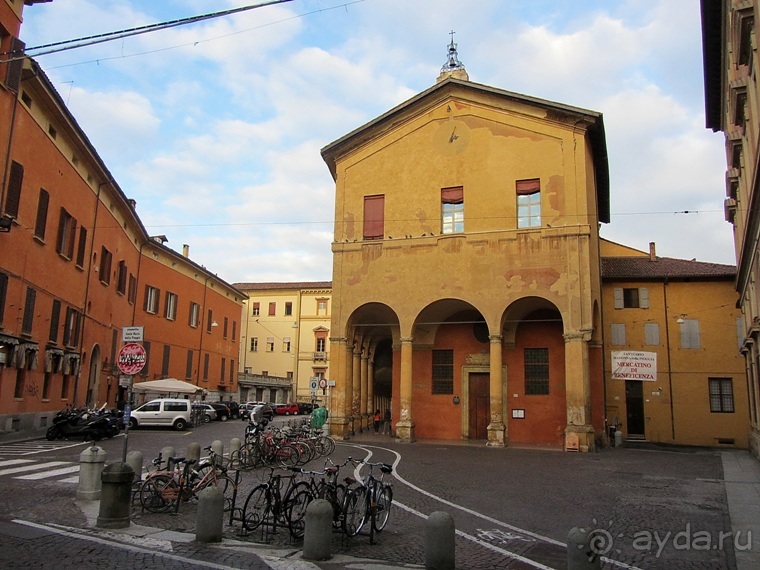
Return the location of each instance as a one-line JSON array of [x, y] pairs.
[[634, 365]]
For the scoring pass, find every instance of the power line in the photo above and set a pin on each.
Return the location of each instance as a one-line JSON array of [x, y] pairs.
[[66, 45]]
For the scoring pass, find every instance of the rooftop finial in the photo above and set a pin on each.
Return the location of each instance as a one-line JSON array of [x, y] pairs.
[[453, 67]]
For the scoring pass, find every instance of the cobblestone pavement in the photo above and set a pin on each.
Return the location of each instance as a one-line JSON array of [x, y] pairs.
[[513, 508]]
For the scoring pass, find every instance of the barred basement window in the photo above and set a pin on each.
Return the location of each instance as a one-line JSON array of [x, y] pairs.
[[443, 371], [536, 371]]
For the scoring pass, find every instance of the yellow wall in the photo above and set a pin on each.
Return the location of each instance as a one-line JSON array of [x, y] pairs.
[[682, 373]]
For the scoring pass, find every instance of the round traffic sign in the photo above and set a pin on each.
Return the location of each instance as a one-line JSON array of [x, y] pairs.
[[323, 383], [131, 358]]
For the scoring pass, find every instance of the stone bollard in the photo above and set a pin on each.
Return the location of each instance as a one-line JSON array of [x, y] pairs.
[[116, 498], [618, 438], [166, 453], [235, 445], [135, 461], [317, 538], [580, 553], [91, 462], [210, 514], [439, 541], [218, 448], [193, 452]]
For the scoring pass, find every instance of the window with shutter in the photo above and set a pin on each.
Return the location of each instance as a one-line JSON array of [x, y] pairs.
[[40, 223], [374, 217], [28, 319], [690, 337], [165, 360], [618, 334], [651, 334], [3, 293], [189, 365], [13, 197], [82, 248], [618, 297], [55, 317]]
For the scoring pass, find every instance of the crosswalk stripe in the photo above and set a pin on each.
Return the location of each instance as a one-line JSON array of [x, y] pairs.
[[9, 462], [33, 467], [74, 479], [53, 473]]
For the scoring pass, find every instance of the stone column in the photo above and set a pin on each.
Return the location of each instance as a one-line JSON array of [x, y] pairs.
[[405, 425], [356, 406], [340, 407], [578, 388], [497, 428], [370, 384], [365, 401]]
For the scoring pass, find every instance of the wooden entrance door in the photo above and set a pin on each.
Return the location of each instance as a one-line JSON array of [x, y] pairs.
[[479, 396], [634, 408]]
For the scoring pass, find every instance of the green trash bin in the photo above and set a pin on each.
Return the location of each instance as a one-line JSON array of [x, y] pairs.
[[318, 418]]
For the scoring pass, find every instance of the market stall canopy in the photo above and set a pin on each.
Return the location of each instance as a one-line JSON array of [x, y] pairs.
[[170, 385]]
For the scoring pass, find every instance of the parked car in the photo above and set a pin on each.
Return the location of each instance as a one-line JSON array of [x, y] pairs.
[[286, 409], [261, 411], [245, 409], [306, 407], [208, 411], [222, 411], [162, 412], [234, 409]]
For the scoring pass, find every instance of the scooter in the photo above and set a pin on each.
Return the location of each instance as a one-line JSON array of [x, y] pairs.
[[76, 423]]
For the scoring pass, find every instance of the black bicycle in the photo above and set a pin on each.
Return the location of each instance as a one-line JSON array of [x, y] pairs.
[[269, 505], [369, 502]]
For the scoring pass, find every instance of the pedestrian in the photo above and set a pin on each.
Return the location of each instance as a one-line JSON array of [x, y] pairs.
[[378, 418], [387, 422]]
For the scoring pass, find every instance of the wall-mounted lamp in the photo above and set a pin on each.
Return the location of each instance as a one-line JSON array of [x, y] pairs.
[[214, 324], [456, 400], [681, 319], [5, 224], [295, 325]]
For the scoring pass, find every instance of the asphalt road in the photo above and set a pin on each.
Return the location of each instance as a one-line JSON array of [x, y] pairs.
[[513, 508]]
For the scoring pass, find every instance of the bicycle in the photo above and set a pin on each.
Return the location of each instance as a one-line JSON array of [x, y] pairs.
[[327, 488], [268, 505], [262, 448], [370, 501], [165, 489]]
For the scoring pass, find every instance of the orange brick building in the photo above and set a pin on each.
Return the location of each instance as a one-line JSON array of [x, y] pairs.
[[77, 265]]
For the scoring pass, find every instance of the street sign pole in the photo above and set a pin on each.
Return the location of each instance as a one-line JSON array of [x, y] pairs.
[[131, 361]]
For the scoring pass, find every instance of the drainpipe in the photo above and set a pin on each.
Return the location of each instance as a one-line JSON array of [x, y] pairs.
[[201, 324], [87, 292], [670, 371]]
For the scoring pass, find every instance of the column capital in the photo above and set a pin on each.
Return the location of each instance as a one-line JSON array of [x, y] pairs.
[[496, 338], [338, 340], [581, 335], [407, 339]]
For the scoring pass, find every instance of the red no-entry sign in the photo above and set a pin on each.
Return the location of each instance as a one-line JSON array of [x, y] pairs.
[[131, 358]]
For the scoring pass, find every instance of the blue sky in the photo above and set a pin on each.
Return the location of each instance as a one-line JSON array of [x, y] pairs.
[[215, 128]]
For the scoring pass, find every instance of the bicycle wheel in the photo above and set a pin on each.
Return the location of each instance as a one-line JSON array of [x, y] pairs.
[[287, 455], [335, 495], [295, 512], [383, 499], [326, 445], [158, 493], [355, 511], [304, 451], [256, 507]]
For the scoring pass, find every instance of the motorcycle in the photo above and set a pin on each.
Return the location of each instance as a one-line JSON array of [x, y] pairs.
[[86, 424]]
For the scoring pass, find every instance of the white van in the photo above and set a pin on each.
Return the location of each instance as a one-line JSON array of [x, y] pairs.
[[170, 412]]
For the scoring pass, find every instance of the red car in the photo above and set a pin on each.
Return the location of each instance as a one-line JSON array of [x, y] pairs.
[[285, 409]]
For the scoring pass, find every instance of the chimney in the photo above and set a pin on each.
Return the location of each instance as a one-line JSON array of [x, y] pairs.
[[652, 254], [185, 250]]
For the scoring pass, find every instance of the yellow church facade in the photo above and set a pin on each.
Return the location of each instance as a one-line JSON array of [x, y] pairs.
[[466, 282]]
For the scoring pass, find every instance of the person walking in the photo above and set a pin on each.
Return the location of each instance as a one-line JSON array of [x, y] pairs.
[[377, 419], [387, 422]]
